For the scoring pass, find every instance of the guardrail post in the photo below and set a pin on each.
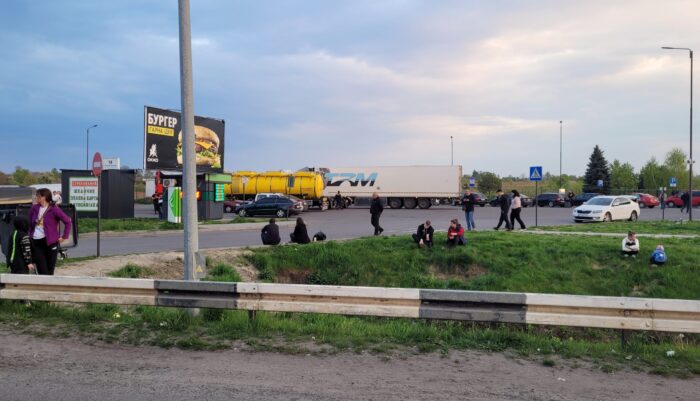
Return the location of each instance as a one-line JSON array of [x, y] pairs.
[[251, 316], [624, 340]]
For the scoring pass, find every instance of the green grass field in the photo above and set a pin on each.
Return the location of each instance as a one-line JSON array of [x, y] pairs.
[[641, 227], [89, 225], [491, 261]]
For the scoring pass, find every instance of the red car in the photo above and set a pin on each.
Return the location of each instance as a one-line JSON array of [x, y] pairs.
[[675, 200], [646, 200]]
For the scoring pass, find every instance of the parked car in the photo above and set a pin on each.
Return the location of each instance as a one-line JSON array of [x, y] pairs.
[[646, 200], [526, 200], [480, 199], [607, 208], [232, 205], [675, 200], [551, 200], [580, 199], [272, 205]]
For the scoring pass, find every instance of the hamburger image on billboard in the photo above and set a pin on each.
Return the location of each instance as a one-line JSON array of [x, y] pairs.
[[163, 141], [206, 147]]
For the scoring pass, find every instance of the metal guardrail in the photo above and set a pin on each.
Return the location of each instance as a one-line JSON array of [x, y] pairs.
[[543, 309]]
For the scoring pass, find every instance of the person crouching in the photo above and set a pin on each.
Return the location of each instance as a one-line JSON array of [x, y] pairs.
[[455, 234], [630, 245], [424, 235]]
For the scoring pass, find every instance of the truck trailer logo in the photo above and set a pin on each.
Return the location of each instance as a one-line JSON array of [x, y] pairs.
[[337, 179]]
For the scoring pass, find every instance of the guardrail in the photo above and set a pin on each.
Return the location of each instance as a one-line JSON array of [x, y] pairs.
[[543, 309]]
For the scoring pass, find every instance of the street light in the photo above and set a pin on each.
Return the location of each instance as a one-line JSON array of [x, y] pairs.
[[690, 162], [560, 153], [87, 147], [452, 151]]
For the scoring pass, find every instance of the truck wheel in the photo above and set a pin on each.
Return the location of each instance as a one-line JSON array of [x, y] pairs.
[[424, 203], [395, 203], [410, 203]]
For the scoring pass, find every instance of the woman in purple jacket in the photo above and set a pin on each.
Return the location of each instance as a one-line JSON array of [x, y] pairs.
[[44, 219]]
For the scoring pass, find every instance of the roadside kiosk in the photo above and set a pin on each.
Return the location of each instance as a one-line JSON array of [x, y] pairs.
[[210, 195]]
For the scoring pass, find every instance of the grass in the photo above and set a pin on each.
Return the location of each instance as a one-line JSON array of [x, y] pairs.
[[641, 227], [131, 271], [491, 261]]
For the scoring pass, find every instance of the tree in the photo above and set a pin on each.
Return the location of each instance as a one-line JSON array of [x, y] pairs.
[[622, 176], [676, 167], [597, 170], [488, 182], [653, 176], [22, 176], [4, 178]]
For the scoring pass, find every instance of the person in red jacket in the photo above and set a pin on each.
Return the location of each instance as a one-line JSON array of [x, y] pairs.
[[455, 234], [44, 219]]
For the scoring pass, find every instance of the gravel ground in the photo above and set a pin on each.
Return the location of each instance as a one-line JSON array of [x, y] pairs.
[[34, 368]]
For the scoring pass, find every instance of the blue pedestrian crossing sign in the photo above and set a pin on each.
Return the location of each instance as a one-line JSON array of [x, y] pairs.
[[672, 182], [472, 182], [536, 173]]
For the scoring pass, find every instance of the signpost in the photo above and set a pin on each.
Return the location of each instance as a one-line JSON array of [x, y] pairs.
[[472, 182], [536, 175], [97, 172], [672, 182]]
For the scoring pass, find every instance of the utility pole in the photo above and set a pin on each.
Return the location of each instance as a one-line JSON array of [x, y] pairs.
[[87, 147], [452, 151], [189, 167], [560, 151]]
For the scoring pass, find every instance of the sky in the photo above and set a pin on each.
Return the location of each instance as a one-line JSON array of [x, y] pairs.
[[353, 83]]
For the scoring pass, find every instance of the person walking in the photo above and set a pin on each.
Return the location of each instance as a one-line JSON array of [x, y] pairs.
[[503, 203], [300, 235], [375, 209], [516, 207], [684, 199], [468, 202], [44, 219], [20, 249], [270, 234]]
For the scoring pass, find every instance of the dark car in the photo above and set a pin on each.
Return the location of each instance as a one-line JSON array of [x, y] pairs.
[[550, 199], [277, 206], [233, 205], [580, 199], [526, 201], [480, 199]]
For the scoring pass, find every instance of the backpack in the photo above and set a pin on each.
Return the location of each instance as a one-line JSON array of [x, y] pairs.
[[659, 257], [319, 236]]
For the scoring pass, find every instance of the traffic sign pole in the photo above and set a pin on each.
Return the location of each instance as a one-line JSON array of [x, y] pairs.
[[536, 175], [536, 188], [97, 172]]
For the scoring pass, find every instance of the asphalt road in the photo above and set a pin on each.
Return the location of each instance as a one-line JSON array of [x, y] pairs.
[[336, 224]]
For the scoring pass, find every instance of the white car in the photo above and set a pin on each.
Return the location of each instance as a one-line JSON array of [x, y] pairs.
[[607, 208]]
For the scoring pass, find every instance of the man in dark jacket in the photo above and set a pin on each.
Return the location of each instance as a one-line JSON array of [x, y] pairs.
[[503, 203], [376, 210], [468, 202], [270, 234], [686, 202], [424, 235]]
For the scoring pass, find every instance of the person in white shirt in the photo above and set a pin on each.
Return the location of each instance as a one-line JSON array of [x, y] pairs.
[[516, 206], [630, 245]]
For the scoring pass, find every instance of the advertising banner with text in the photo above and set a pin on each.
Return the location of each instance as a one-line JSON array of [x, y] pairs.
[[82, 193]]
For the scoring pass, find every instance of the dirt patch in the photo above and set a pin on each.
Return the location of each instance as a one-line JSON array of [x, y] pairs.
[[292, 276], [161, 265], [472, 272]]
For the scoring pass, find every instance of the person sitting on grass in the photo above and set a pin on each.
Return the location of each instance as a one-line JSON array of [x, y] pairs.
[[270, 234], [424, 235], [455, 234], [658, 257], [630, 245], [300, 235]]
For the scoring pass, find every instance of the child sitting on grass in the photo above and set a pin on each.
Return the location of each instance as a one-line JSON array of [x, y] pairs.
[[658, 257], [630, 245]]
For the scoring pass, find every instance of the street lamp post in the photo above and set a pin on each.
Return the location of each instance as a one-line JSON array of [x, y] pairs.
[[452, 151], [560, 152], [87, 147], [690, 162]]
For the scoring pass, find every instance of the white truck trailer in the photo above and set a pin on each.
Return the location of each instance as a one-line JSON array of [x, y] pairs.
[[405, 186]]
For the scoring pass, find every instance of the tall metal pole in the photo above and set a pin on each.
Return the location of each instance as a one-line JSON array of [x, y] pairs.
[[87, 147], [189, 173], [690, 161], [560, 152], [452, 151]]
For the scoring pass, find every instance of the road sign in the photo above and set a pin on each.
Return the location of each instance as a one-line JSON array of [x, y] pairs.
[[536, 173], [97, 164], [672, 182], [113, 163], [472, 182], [600, 184]]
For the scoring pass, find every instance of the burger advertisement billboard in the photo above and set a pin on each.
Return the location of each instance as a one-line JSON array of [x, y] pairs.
[[163, 141]]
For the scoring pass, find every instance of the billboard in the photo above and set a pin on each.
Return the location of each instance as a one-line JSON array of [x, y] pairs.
[[163, 141], [82, 193]]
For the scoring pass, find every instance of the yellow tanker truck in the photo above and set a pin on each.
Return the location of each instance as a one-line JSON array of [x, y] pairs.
[[307, 185]]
